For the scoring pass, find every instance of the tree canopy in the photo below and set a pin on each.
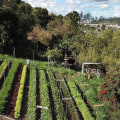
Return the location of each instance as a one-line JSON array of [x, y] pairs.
[[41, 16], [8, 29], [20, 21], [74, 20]]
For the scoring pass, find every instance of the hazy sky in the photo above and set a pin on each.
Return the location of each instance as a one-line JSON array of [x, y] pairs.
[[106, 8]]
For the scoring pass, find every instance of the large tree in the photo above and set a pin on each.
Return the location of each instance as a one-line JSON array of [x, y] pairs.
[[1, 2], [41, 16], [26, 17], [16, 19], [74, 19], [8, 29]]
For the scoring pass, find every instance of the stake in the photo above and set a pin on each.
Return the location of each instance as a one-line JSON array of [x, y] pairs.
[[42, 107], [67, 98], [33, 57], [66, 108]]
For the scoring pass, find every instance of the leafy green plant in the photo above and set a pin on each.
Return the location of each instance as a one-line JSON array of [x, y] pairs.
[[3, 66], [45, 101], [79, 101], [31, 114], [55, 53], [7, 85], [55, 92], [20, 93]]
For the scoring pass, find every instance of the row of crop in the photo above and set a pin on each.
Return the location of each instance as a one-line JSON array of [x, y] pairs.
[[91, 94], [89, 87], [45, 101], [72, 111], [31, 114], [79, 101], [7, 85], [3, 67], [14, 91], [20, 93], [2, 64], [57, 101]]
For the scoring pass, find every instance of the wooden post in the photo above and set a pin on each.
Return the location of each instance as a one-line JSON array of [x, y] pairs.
[[101, 105], [42, 107], [67, 98], [84, 85], [60, 80], [66, 60]]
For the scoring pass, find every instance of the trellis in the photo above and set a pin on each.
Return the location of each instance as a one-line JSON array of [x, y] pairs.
[[69, 97], [59, 86], [84, 63]]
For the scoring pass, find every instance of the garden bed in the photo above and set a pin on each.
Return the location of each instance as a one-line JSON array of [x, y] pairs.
[[10, 105], [4, 74]]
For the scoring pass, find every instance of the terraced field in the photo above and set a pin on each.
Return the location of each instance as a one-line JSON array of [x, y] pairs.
[[47, 92]]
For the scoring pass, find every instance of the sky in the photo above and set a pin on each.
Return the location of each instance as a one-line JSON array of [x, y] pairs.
[[97, 8]]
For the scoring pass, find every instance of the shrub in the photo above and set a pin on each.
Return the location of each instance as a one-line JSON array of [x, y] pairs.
[[110, 87]]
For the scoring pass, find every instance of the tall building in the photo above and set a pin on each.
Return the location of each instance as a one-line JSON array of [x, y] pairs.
[[101, 17], [81, 14], [96, 18], [87, 16]]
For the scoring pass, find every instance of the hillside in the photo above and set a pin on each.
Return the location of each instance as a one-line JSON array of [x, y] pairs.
[[49, 92]]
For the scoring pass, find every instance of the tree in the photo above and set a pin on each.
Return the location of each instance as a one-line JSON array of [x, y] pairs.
[[10, 3], [1, 2], [8, 29], [55, 53], [26, 22], [103, 27], [16, 20], [116, 44], [57, 28], [74, 20], [52, 17], [41, 16]]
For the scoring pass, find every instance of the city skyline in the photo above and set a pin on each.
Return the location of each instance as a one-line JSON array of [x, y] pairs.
[[97, 8]]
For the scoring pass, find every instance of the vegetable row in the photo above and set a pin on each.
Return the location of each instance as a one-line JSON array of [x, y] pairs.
[[7, 85], [79, 101], [31, 110], [3, 67], [58, 105], [91, 94], [20, 93], [44, 94]]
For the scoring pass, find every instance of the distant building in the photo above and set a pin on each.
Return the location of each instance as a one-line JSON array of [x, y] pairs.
[[91, 18], [81, 14], [101, 17], [87, 18], [96, 18]]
